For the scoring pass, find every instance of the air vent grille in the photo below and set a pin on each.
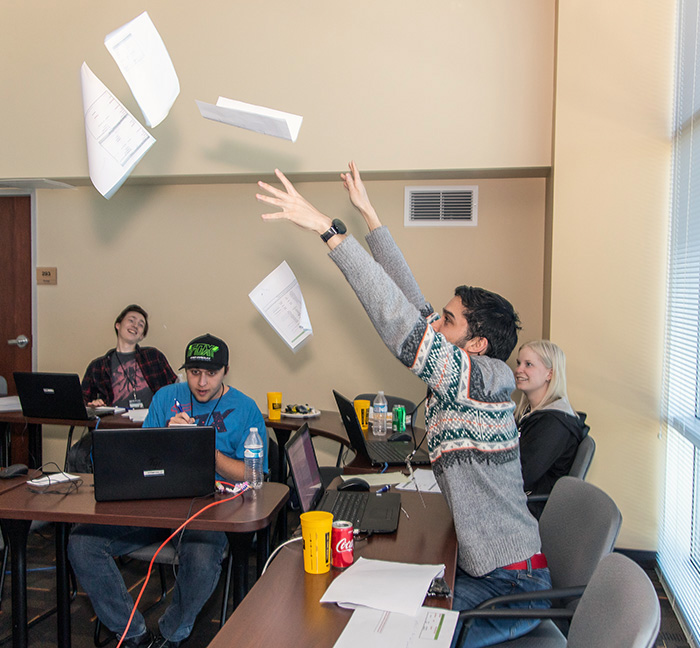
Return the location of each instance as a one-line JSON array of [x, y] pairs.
[[441, 206]]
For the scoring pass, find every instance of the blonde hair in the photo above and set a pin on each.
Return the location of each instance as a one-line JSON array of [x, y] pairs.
[[553, 358]]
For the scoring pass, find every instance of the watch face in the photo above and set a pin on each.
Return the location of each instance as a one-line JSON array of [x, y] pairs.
[[339, 226]]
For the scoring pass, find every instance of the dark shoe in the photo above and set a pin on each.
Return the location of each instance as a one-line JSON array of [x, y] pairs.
[[144, 640], [161, 642]]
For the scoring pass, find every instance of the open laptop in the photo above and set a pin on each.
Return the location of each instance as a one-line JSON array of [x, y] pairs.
[[51, 395], [153, 463], [377, 513], [378, 453]]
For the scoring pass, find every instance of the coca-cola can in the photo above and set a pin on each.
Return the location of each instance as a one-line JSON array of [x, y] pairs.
[[342, 544]]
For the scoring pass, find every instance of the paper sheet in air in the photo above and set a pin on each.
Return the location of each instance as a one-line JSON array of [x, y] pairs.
[[116, 141], [143, 59], [431, 627], [256, 118], [279, 300], [383, 585]]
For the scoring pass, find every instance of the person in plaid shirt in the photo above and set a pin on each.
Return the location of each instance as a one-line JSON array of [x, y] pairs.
[[128, 375]]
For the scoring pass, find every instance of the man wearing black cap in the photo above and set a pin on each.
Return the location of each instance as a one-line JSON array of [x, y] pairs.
[[203, 400]]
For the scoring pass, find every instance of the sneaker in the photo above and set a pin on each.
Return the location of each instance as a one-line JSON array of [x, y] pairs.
[[144, 640], [161, 642]]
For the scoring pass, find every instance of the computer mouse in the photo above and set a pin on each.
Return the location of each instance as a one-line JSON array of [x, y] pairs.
[[354, 484], [15, 470], [400, 436]]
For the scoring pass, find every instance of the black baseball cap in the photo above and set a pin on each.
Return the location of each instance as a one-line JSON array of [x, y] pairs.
[[206, 352]]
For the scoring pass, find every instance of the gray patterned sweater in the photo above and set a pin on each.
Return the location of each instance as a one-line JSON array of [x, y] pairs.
[[472, 436]]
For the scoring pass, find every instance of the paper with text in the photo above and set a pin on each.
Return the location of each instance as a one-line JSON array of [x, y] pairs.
[[116, 141], [256, 118], [143, 59], [279, 300], [431, 627], [424, 479]]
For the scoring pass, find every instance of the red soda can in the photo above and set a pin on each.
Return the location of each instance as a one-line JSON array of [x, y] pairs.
[[342, 544]]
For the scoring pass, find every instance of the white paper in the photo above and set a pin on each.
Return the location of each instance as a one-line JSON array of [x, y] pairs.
[[256, 118], [116, 141], [56, 478], [425, 479], [10, 404], [279, 300], [379, 479], [137, 415], [143, 59], [383, 585], [369, 628]]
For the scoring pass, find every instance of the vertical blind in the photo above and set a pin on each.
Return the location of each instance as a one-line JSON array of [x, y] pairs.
[[679, 553]]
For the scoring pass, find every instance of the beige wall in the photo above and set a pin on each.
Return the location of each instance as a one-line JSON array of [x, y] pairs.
[[404, 83], [611, 170]]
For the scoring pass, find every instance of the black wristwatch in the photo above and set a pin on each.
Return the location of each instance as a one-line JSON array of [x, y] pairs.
[[337, 227]]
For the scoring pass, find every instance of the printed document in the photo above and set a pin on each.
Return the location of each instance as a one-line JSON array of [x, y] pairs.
[[279, 300], [256, 118], [143, 59], [116, 141], [430, 628]]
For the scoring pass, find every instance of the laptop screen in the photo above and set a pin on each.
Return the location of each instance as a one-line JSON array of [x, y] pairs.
[[303, 467]]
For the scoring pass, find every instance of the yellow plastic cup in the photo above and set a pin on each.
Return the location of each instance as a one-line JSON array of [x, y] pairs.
[[362, 410], [274, 406], [316, 536]]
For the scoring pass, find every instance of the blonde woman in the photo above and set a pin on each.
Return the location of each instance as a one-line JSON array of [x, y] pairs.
[[550, 429]]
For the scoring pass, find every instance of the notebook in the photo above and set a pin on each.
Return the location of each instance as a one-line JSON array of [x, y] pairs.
[[376, 513], [378, 453], [51, 395], [153, 463]]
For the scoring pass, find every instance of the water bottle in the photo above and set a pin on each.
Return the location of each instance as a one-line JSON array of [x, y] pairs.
[[379, 410], [254, 459]]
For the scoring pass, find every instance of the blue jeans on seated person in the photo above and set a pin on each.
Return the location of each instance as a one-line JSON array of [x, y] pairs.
[[470, 592], [92, 548]]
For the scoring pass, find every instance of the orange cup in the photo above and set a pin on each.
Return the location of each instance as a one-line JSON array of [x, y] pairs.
[[362, 410], [316, 536], [274, 406]]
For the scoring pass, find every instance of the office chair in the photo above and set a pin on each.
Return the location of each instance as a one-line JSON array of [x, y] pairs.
[[619, 607], [578, 527], [3, 386], [583, 458]]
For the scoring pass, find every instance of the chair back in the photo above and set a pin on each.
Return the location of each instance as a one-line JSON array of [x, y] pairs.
[[390, 401], [578, 527], [619, 608], [583, 458], [3, 386]]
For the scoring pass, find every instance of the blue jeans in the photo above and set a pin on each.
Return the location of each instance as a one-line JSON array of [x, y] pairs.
[[91, 550], [470, 592]]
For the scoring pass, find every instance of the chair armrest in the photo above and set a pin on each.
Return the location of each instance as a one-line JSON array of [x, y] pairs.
[[539, 595], [517, 613], [538, 498]]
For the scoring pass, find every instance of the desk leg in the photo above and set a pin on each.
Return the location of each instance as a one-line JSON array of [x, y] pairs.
[[16, 532], [240, 546], [263, 549], [282, 437], [62, 586]]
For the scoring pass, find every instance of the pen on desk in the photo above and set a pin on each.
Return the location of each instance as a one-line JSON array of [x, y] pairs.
[[384, 489]]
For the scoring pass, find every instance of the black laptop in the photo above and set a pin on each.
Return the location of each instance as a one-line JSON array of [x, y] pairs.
[[51, 395], [368, 512], [153, 463], [378, 453]]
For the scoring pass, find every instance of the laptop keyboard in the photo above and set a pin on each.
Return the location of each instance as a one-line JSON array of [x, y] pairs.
[[349, 506]]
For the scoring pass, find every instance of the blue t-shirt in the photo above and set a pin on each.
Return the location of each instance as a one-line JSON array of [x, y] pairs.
[[232, 416]]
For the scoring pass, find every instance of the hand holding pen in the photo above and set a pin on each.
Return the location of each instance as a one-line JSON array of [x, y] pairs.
[[181, 418]]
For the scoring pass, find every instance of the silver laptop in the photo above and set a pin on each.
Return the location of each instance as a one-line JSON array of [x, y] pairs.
[[153, 463], [368, 512], [51, 395]]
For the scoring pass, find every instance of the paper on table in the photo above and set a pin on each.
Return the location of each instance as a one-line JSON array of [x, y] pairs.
[[279, 300], [425, 479], [383, 585], [143, 59], [10, 404], [378, 479], [380, 629], [136, 414], [256, 118], [116, 141]]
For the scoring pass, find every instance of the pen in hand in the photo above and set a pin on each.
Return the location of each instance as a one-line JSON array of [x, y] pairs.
[[179, 407]]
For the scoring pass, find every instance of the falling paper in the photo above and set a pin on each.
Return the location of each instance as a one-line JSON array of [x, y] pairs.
[[143, 59], [256, 118], [116, 141], [279, 300]]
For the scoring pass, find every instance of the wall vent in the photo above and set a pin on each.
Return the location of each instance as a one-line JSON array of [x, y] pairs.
[[441, 206]]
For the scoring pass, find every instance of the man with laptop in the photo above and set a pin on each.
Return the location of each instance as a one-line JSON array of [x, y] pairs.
[[128, 375], [472, 436], [204, 400]]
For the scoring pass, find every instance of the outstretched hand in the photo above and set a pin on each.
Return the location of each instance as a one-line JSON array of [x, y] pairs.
[[358, 196], [294, 207]]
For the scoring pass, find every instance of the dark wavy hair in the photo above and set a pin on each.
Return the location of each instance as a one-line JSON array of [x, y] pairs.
[[492, 317], [132, 308]]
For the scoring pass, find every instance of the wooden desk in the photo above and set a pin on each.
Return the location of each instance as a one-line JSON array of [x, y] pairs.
[[239, 519], [283, 607]]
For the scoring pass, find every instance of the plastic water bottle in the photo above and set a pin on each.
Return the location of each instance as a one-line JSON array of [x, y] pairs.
[[379, 409], [254, 459]]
